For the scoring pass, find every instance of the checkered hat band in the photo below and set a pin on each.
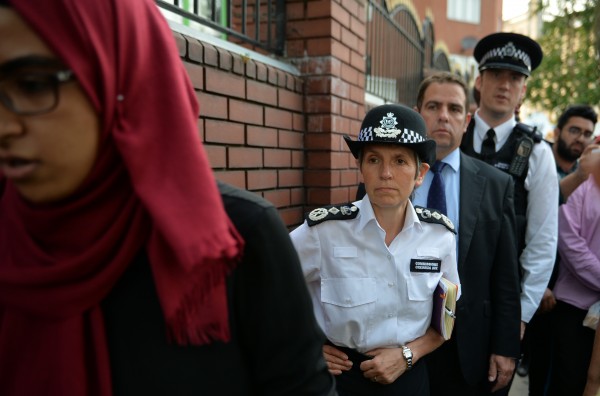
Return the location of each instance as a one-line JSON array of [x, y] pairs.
[[502, 52], [406, 136]]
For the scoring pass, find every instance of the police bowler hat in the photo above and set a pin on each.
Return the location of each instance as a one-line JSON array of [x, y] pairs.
[[394, 124], [510, 51]]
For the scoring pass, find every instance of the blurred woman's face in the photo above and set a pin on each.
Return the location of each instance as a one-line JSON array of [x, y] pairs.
[[49, 131]]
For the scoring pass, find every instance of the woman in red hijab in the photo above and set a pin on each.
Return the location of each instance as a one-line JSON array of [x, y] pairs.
[[120, 269]]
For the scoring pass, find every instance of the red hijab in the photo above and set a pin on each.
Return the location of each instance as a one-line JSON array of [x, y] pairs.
[[151, 189]]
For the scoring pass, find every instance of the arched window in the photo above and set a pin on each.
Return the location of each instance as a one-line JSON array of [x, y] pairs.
[[394, 53]]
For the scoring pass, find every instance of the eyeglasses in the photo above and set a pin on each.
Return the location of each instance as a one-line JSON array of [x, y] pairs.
[[32, 92], [576, 132]]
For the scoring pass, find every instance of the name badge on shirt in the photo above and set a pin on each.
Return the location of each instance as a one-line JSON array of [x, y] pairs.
[[423, 265]]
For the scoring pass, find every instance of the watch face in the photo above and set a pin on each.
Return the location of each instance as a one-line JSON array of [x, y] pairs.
[[407, 353]]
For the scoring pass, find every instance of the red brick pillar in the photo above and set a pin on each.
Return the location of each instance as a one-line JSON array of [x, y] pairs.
[[326, 41]]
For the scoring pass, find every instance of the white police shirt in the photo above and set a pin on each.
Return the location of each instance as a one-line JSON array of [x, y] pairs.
[[364, 293], [541, 235]]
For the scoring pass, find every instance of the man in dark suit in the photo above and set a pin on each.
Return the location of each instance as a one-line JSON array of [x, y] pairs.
[[480, 356]]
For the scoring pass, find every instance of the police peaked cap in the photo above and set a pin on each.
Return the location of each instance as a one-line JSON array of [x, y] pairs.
[[394, 124], [510, 51]]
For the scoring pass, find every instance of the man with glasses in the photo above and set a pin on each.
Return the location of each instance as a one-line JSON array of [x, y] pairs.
[[573, 138], [573, 141]]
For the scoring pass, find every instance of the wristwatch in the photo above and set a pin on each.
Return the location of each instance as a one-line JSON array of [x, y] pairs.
[[407, 353]]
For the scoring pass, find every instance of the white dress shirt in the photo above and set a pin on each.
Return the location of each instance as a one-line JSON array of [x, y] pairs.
[[541, 235], [364, 293]]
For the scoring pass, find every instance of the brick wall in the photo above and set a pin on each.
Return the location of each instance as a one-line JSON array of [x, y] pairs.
[[326, 40], [279, 133], [251, 123]]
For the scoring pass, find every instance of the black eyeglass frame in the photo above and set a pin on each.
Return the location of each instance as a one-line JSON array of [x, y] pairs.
[[576, 132], [59, 77]]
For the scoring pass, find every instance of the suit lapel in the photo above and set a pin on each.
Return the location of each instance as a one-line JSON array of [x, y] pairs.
[[472, 186]]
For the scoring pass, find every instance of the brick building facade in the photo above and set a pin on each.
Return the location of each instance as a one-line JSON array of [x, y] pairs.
[[275, 127]]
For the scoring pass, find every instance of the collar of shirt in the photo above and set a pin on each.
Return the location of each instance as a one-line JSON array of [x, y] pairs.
[[561, 173], [366, 215], [503, 131]]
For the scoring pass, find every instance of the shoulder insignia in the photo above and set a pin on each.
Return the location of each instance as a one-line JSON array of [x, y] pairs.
[[332, 212], [434, 216]]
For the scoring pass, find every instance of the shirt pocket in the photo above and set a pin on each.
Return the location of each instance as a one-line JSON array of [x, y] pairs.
[[348, 307], [345, 252], [348, 292], [420, 285]]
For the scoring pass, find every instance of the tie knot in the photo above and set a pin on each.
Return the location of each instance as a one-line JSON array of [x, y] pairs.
[[438, 166], [488, 146]]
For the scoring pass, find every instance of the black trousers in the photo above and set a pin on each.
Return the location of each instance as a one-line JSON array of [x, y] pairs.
[[413, 382], [445, 374], [573, 344], [539, 335]]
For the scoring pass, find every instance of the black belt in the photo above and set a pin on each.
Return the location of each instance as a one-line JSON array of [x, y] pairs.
[[414, 382]]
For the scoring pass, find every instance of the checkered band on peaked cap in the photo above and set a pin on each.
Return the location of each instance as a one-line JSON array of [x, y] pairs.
[[394, 124], [511, 51]]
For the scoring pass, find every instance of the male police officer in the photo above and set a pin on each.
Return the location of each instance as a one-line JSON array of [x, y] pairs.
[[505, 61]]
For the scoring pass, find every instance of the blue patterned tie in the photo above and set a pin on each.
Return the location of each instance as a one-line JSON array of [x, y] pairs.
[[436, 198]]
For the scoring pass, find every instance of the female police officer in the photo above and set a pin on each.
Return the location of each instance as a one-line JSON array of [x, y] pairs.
[[372, 273]]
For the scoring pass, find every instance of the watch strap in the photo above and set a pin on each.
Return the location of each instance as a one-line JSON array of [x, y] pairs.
[[408, 356]]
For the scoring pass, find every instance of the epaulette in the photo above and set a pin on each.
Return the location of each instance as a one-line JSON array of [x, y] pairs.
[[332, 212], [529, 131], [434, 216]]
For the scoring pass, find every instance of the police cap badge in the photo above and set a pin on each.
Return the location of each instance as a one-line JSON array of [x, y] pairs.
[[394, 124], [511, 51]]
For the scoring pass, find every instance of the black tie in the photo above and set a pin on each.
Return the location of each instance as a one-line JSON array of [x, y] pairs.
[[436, 199], [488, 147]]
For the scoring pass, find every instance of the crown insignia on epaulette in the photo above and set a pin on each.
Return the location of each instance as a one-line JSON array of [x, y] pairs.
[[434, 216], [332, 212]]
